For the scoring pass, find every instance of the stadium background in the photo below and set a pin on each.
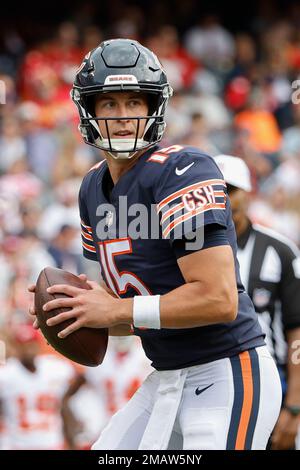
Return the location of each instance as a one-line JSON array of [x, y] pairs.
[[232, 76]]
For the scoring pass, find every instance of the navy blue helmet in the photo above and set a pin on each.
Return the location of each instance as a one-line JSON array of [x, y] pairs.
[[121, 65]]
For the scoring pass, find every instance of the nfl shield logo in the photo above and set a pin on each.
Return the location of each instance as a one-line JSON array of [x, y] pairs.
[[109, 218]]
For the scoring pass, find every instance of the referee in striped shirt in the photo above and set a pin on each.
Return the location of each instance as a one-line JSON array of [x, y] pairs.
[[270, 271]]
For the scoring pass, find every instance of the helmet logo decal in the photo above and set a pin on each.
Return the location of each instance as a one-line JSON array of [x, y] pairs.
[[117, 79]]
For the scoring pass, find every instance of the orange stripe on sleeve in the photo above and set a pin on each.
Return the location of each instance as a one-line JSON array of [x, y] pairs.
[[189, 215], [187, 189], [89, 247], [86, 227], [87, 235]]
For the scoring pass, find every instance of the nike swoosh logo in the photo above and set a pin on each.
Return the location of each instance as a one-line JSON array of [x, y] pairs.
[[197, 391], [183, 170]]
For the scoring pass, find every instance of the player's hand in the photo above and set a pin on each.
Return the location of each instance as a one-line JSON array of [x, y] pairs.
[[111, 292], [285, 432], [32, 311], [94, 308]]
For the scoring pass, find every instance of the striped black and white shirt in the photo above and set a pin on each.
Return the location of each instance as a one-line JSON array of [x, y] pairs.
[[270, 272]]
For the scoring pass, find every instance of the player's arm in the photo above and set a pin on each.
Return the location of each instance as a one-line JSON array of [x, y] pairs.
[[120, 330], [70, 423], [286, 429], [293, 373], [199, 196], [209, 295], [287, 426], [290, 300]]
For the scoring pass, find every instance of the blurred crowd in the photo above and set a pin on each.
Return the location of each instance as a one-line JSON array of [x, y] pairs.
[[234, 93]]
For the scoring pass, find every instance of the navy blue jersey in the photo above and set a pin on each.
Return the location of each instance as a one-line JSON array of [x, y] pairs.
[[133, 228]]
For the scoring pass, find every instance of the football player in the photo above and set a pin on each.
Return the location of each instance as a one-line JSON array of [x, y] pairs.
[[158, 221], [113, 383], [31, 390]]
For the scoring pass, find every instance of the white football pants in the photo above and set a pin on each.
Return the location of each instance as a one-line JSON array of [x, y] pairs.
[[231, 403]]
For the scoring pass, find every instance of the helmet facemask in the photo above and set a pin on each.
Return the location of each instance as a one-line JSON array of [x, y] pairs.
[[120, 148]]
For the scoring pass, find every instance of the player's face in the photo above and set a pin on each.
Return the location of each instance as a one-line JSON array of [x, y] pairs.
[[122, 105], [27, 351]]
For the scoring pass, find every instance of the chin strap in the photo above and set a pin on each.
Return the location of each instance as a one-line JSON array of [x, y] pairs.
[[123, 144], [122, 156]]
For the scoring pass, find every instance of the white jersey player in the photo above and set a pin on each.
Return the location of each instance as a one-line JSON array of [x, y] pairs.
[[113, 383], [121, 373], [31, 391]]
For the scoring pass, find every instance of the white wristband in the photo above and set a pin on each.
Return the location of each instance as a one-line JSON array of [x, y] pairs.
[[146, 312]]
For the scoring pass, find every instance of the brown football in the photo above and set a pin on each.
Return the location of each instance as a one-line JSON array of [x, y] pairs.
[[86, 346]]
